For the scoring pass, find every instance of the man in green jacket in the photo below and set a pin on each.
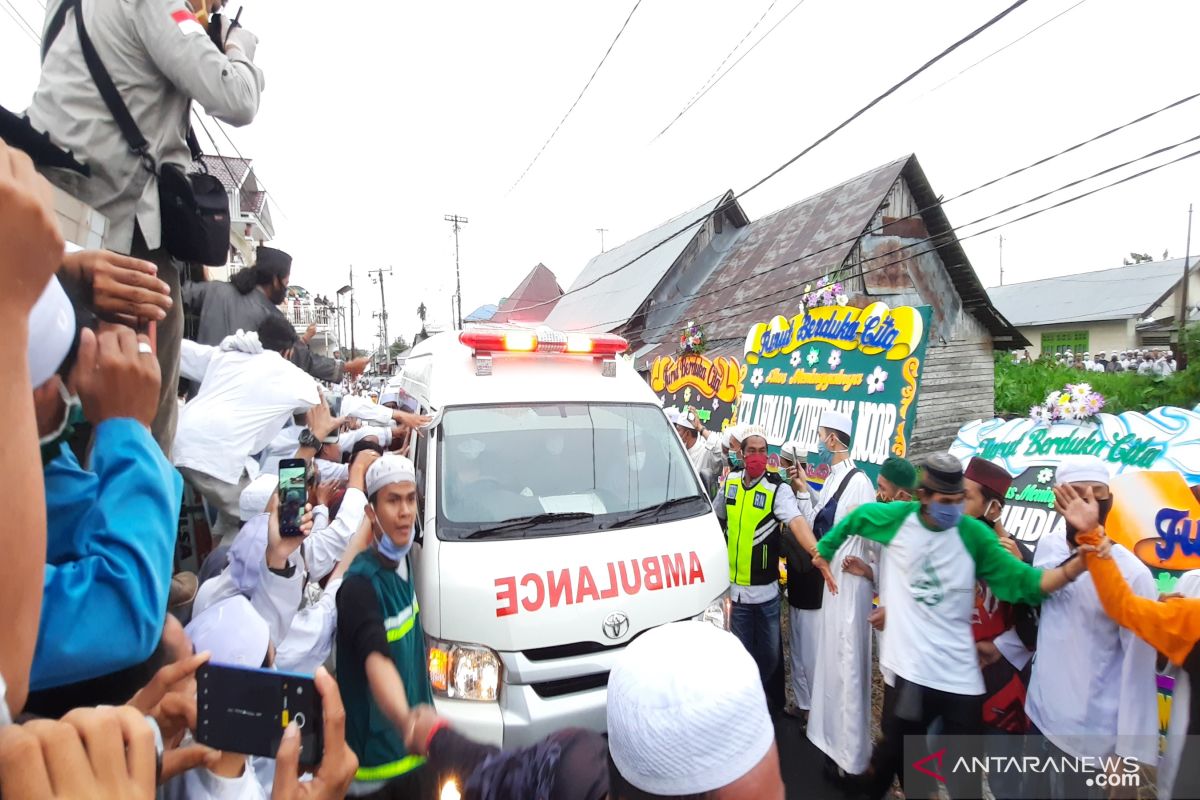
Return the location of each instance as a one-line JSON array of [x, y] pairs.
[[932, 557], [381, 665]]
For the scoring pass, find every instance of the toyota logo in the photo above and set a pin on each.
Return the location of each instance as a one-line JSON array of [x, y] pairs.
[[616, 625]]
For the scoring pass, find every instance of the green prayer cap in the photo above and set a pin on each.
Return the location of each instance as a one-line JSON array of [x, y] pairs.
[[900, 472]]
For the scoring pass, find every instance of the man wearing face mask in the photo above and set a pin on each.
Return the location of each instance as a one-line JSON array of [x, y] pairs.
[[1005, 634], [756, 505], [1093, 689], [111, 527], [381, 659], [846, 488], [932, 556]]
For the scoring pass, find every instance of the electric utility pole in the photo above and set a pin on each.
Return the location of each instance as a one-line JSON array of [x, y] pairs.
[[353, 353], [457, 222], [1183, 305], [601, 231], [377, 275], [1002, 259]]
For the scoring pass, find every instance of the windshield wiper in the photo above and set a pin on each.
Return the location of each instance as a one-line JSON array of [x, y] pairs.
[[523, 522], [654, 510]]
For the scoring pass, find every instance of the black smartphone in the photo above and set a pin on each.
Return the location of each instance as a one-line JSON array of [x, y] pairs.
[[293, 494], [245, 711]]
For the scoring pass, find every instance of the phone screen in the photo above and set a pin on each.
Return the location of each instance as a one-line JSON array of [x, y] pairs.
[[335, 406], [293, 494], [245, 711]]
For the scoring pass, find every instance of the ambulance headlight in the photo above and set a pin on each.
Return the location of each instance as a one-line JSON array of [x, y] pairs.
[[464, 671], [718, 612]]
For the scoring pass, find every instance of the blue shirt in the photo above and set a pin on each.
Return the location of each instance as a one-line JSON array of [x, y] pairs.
[[110, 545]]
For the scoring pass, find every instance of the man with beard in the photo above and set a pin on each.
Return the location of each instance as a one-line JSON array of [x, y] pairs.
[[1005, 634], [931, 558], [251, 296], [1093, 691]]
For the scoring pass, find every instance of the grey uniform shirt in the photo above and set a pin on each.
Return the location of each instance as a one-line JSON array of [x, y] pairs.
[[160, 59]]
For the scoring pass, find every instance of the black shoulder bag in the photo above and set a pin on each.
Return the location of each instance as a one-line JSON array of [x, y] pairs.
[[806, 585], [193, 206]]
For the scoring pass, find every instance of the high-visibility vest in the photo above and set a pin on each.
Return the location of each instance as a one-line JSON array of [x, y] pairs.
[[752, 531]]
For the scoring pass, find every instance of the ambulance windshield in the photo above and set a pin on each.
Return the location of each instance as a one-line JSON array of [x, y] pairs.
[[509, 471]]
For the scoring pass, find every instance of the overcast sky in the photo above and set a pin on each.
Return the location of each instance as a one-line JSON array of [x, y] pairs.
[[379, 118]]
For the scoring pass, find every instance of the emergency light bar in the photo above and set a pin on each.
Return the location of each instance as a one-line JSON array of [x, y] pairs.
[[543, 340], [486, 341]]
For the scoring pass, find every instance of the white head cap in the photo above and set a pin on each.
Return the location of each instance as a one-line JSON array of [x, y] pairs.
[[793, 452], [255, 497], [746, 431], [51, 333], [685, 422], [389, 469], [1084, 469], [669, 730], [673, 415], [835, 421], [232, 631], [389, 396]]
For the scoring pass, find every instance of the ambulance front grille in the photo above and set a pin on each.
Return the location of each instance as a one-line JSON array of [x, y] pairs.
[[581, 683]]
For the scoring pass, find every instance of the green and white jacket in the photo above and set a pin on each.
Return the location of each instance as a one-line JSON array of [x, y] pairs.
[[927, 583]]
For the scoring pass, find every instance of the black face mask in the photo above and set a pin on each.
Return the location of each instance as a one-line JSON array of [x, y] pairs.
[[1105, 507], [986, 521]]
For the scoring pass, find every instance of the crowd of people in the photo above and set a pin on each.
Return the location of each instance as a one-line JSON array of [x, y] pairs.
[[1159, 362], [104, 641]]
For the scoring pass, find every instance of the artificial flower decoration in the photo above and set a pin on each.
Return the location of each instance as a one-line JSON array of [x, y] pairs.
[[692, 341], [757, 378], [814, 355], [797, 358], [1045, 475], [876, 380], [1075, 402], [826, 293], [835, 359], [715, 403]]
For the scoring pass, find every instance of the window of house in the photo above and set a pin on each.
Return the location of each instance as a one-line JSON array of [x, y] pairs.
[[1061, 341]]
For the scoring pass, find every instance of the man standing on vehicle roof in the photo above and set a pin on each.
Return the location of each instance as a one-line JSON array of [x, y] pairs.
[[381, 664], [756, 504]]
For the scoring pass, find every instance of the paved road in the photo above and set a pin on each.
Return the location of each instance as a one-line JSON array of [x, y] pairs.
[[802, 764]]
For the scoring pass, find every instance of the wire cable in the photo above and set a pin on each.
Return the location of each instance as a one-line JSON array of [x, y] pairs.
[[708, 84], [261, 185], [953, 231], [554, 133], [796, 157], [965, 70], [22, 23]]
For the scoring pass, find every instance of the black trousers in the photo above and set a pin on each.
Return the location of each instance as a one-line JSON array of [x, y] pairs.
[[908, 711]]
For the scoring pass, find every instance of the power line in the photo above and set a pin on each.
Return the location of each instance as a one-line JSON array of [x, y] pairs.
[[577, 99], [795, 158], [257, 178], [961, 72], [22, 23], [708, 87], [736, 47], [954, 230]]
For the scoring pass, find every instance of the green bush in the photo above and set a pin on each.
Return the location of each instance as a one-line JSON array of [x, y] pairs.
[[1019, 386]]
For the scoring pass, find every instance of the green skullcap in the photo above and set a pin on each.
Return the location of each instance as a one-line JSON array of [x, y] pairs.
[[900, 472]]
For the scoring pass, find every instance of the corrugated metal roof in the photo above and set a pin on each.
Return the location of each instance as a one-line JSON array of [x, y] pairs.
[[746, 274], [229, 171], [482, 314], [537, 294], [1118, 293], [611, 301]]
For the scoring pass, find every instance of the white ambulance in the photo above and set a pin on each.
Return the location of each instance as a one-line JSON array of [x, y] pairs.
[[560, 520]]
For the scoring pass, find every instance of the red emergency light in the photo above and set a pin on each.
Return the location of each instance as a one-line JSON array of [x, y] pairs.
[[544, 340]]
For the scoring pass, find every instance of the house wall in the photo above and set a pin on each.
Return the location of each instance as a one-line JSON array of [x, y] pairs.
[[1102, 335], [957, 385]]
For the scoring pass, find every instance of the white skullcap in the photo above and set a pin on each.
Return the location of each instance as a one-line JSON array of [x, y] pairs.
[[685, 422], [389, 469], [389, 396], [247, 553], [688, 731], [255, 497], [737, 432], [51, 333], [746, 431], [793, 452], [725, 435], [835, 421], [673, 415], [1084, 469], [232, 631]]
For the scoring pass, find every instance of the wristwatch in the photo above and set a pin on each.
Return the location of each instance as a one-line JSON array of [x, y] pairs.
[[309, 439]]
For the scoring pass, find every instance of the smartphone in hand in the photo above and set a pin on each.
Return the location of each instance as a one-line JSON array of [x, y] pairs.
[[240, 710], [293, 494]]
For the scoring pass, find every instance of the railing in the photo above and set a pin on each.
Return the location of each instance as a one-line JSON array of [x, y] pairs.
[[302, 316]]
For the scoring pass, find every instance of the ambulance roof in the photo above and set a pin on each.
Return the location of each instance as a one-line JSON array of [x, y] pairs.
[[441, 372]]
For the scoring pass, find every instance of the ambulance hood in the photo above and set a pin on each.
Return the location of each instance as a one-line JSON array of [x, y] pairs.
[[520, 594]]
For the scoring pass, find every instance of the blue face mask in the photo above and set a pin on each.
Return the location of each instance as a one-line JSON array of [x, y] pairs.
[[822, 457], [389, 549], [945, 515]]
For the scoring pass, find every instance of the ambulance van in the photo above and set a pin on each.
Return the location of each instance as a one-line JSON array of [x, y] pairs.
[[560, 519]]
